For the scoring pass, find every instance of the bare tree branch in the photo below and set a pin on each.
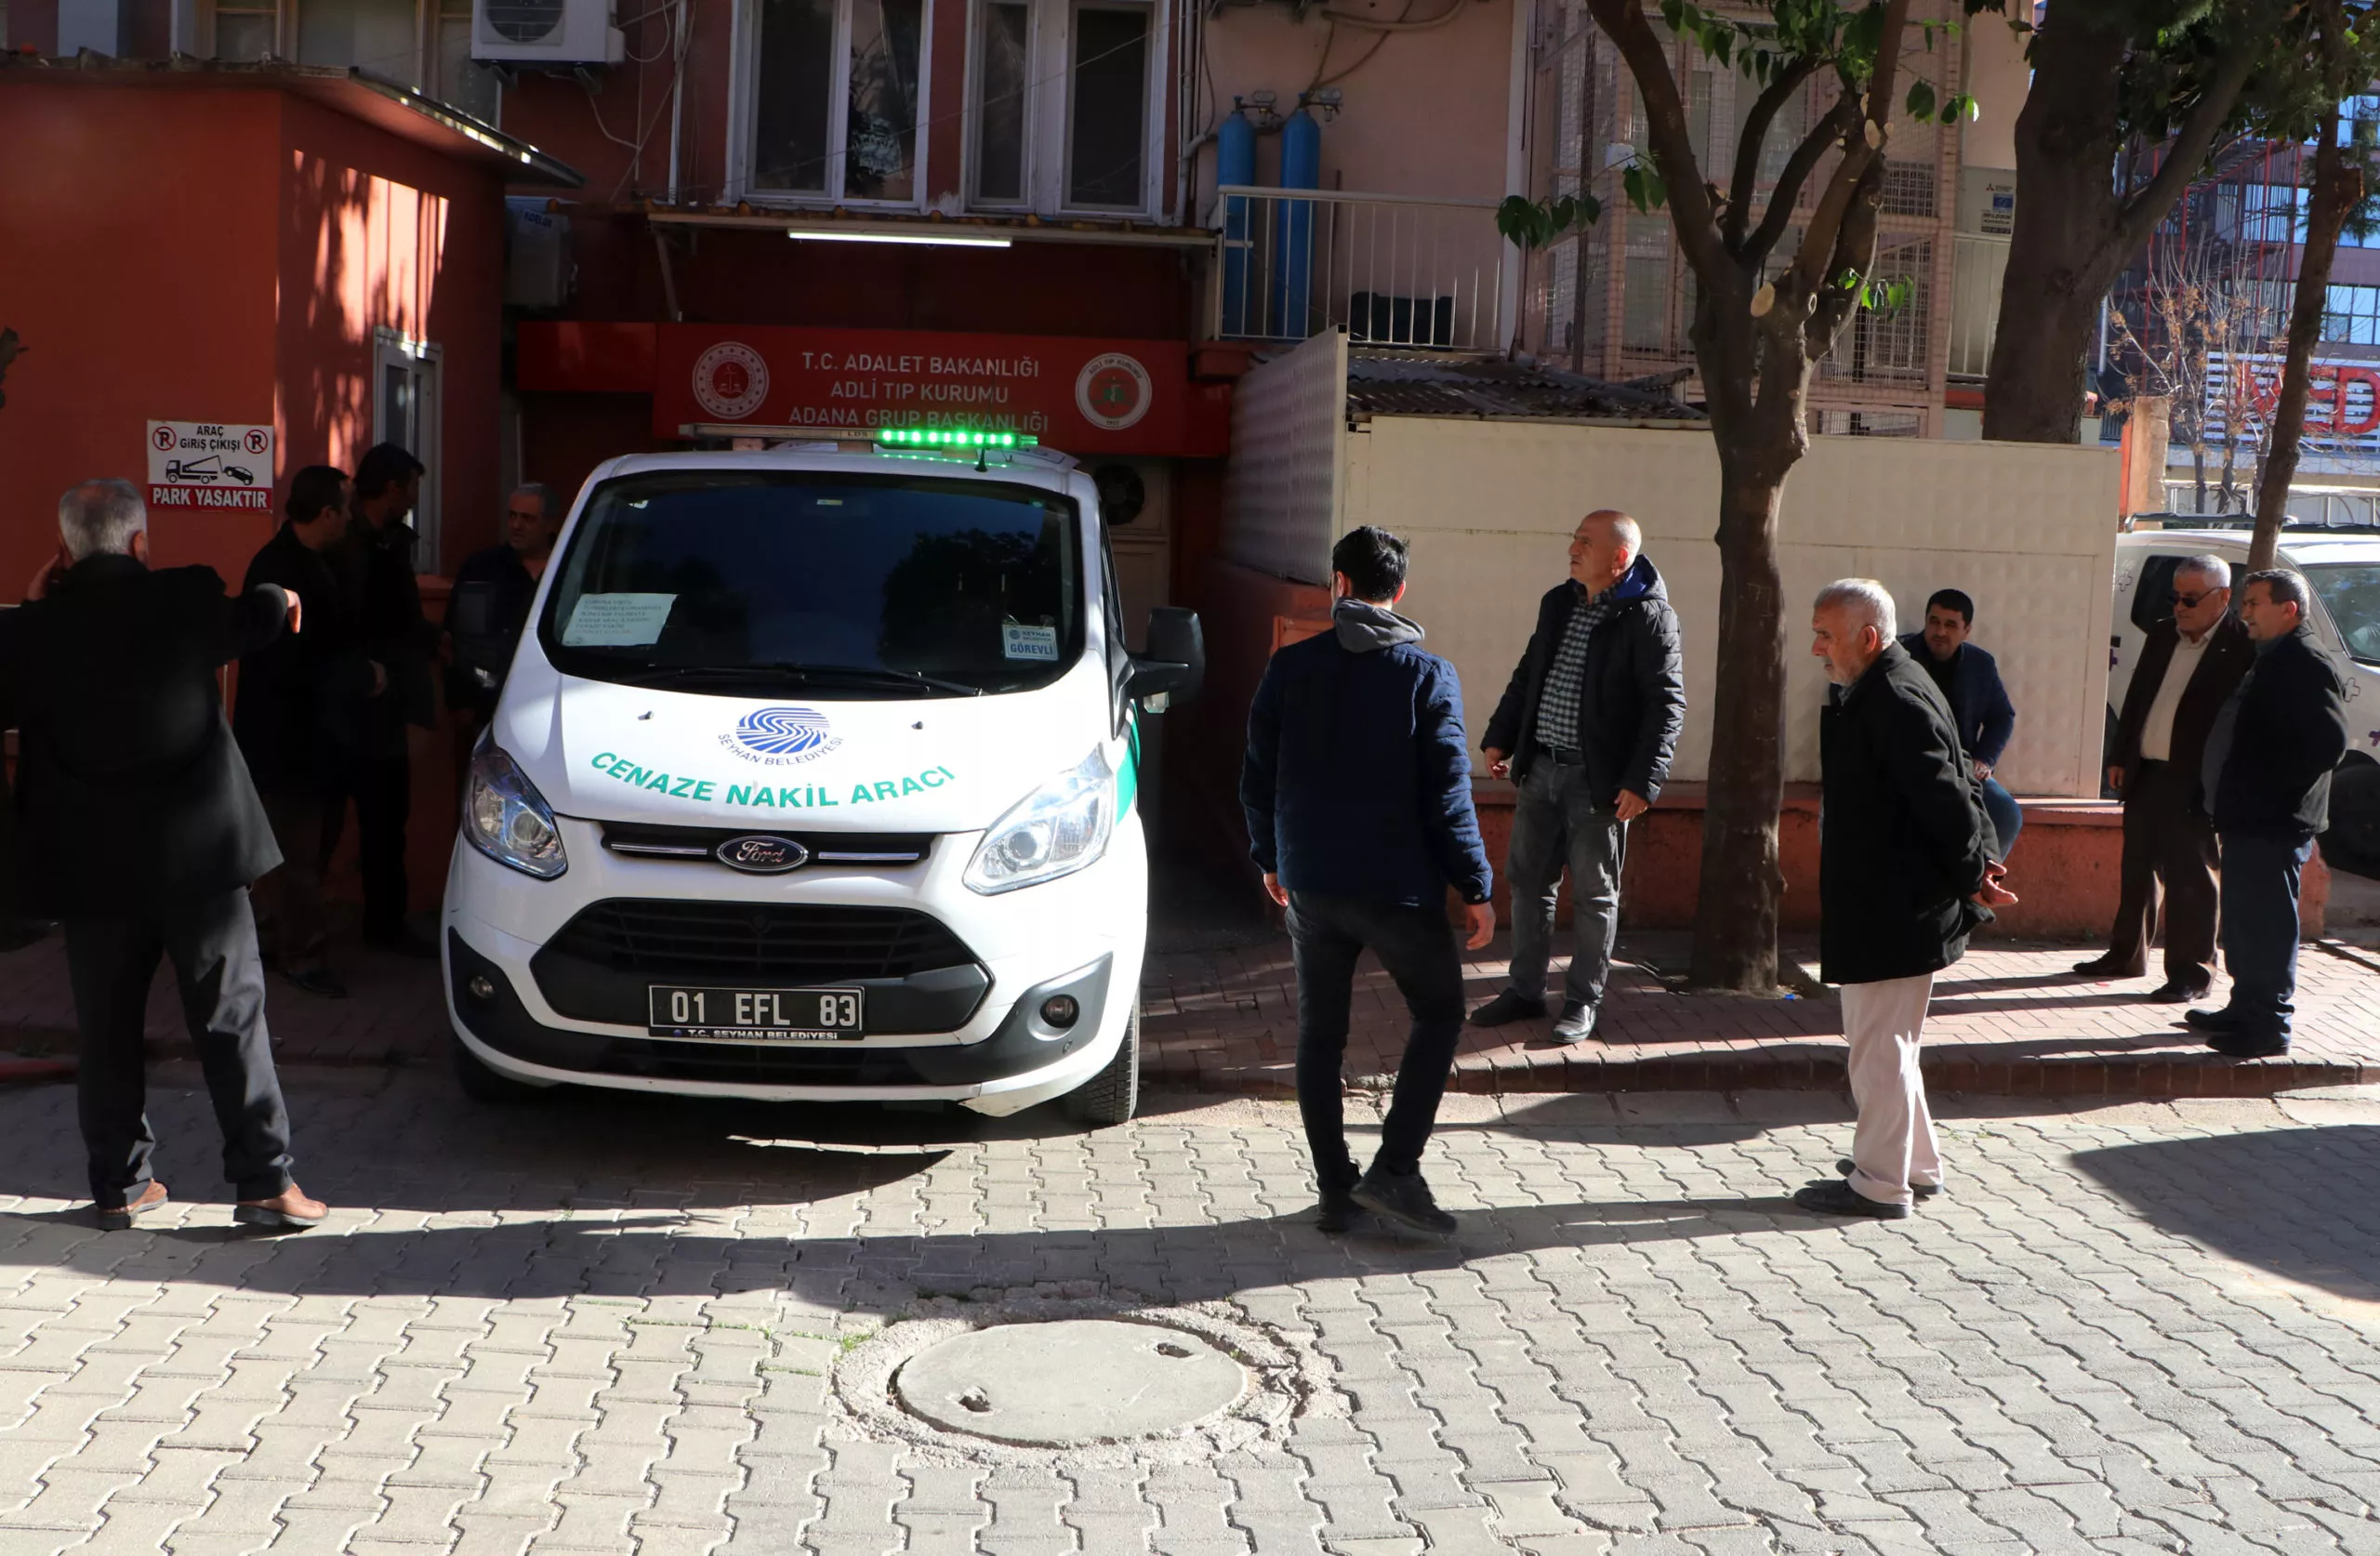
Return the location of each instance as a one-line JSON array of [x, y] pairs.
[[1623, 21], [1829, 129], [2148, 205], [1826, 223], [1755, 131], [1855, 250]]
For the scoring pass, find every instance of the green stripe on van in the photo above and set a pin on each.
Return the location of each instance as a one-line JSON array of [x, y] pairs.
[[1128, 782]]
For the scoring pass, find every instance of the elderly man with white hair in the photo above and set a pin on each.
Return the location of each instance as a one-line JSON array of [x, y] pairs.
[[1905, 872], [2189, 667], [141, 831]]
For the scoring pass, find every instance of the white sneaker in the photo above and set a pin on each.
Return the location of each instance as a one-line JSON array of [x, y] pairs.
[[1577, 1023]]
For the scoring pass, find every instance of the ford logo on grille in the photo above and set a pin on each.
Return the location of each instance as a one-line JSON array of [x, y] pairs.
[[762, 855]]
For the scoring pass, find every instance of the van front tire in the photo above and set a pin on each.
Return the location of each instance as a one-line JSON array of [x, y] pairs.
[[1110, 1096], [481, 1084]]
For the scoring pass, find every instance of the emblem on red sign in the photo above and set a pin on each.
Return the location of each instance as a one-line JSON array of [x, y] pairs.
[[731, 381], [1113, 391]]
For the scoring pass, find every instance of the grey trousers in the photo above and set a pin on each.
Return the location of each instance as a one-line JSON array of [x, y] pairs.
[[1557, 823]]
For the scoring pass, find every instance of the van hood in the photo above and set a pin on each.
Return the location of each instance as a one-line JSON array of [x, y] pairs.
[[605, 752]]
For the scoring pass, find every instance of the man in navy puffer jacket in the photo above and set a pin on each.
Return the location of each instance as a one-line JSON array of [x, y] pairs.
[[1357, 788]]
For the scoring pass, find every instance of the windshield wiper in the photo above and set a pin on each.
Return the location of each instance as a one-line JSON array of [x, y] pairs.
[[777, 673], [877, 675]]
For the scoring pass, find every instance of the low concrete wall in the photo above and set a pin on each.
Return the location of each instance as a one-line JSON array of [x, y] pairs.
[[2065, 869]]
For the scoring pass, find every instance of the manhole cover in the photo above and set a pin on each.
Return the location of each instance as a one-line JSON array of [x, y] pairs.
[[1069, 1381]]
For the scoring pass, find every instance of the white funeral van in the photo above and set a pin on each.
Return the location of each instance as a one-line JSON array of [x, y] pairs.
[[815, 778]]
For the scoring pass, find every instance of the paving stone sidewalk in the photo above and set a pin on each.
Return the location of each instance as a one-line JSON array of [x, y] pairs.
[[1221, 1016], [2011, 1019], [606, 1326]]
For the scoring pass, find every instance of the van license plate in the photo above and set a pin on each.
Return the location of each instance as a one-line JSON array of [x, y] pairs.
[[775, 1015]]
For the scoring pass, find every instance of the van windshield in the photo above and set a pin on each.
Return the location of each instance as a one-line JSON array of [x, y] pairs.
[[2350, 592], [733, 583]]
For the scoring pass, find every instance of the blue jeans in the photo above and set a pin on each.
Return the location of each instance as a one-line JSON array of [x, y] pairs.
[[2260, 878], [2007, 816]]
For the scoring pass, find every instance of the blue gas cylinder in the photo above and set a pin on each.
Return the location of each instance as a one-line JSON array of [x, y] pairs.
[[1293, 240], [1236, 165]]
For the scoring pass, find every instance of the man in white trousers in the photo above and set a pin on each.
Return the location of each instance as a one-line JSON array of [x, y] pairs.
[[1905, 874]]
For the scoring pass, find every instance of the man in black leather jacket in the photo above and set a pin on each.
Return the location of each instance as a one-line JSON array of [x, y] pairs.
[[2267, 778]]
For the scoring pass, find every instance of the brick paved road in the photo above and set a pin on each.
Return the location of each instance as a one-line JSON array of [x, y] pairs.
[[594, 1328]]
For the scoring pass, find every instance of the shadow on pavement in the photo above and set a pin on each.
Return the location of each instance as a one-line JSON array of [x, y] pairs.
[[597, 1196], [2301, 1203]]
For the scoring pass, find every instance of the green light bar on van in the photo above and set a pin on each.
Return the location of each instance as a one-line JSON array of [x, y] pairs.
[[952, 438]]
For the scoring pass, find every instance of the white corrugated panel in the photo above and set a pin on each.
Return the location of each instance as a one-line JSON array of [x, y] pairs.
[[2027, 530], [1281, 494]]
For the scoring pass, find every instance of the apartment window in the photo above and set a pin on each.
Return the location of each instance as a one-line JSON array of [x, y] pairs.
[[1061, 112], [247, 29], [2351, 315], [835, 90], [463, 82], [383, 37]]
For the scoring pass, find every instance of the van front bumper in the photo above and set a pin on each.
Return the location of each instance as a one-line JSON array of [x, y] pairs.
[[1024, 1060]]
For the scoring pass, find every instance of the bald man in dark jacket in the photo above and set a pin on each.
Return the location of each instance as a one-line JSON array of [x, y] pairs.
[[140, 830]]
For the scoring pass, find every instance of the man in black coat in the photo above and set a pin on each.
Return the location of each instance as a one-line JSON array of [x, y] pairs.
[[1357, 789], [2268, 770], [1905, 870], [140, 830], [299, 720], [2187, 669], [375, 561], [488, 609], [1586, 729]]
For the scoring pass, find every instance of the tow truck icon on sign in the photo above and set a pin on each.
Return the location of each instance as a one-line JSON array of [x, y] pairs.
[[209, 469]]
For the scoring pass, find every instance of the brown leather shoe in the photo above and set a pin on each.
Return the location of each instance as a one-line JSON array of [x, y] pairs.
[[118, 1218], [288, 1211]]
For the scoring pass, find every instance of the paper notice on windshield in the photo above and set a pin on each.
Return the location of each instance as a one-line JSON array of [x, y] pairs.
[[1029, 642], [617, 620]]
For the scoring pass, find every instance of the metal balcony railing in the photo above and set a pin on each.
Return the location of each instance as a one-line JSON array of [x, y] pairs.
[[1390, 269], [1979, 263]]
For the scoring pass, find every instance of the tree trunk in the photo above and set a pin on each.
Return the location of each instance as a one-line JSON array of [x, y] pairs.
[[2074, 231], [1736, 909], [2338, 189], [2067, 141]]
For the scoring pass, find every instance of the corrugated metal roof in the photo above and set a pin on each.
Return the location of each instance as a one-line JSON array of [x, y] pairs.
[[1413, 384]]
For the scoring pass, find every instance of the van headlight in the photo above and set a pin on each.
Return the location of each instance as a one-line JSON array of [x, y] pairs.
[[1057, 829], [508, 819]]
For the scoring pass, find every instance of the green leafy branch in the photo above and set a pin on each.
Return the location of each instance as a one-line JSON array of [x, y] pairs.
[[1532, 224]]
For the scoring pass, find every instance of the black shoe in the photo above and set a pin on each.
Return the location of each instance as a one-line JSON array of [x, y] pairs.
[[1832, 1198], [2245, 1045], [1404, 1198], [316, 981], [2101, 967], [1923, 1191], [1336, 1215], [402, 941], [2180, 993], [2213, 1020], [1509, 1006]]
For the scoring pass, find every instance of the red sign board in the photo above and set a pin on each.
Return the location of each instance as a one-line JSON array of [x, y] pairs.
[[1083, 396]]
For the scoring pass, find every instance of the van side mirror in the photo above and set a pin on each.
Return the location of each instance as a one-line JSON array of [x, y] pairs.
[[1174, 664]]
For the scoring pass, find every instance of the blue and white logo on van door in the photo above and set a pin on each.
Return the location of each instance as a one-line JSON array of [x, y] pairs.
[[781, 736]]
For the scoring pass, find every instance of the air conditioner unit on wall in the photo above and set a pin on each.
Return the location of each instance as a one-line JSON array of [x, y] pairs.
[[545, 32]]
